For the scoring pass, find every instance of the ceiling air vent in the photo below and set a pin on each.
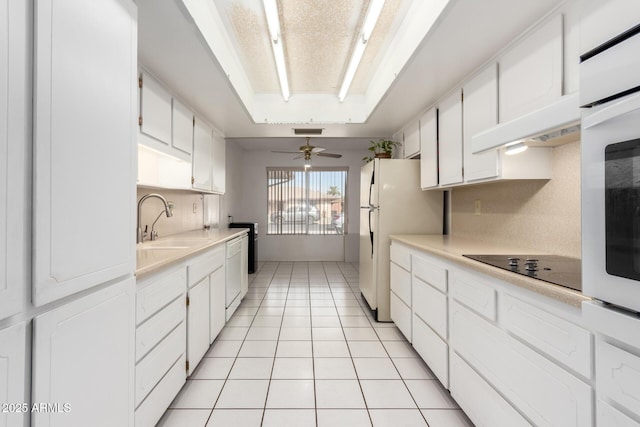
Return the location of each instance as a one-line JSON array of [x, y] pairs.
[[307, 131]]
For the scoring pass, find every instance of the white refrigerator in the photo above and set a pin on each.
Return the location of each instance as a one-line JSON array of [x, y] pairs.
[[391, 202]]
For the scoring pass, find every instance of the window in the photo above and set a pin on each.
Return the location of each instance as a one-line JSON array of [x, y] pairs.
[[310, 201]]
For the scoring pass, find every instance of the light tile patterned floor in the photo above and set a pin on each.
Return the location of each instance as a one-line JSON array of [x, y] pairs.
[[303, 350]]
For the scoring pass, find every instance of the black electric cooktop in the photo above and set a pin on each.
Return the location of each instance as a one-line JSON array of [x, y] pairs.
[[559, 270]]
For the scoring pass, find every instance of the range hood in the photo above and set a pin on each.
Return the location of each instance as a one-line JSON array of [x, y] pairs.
[[555, 124]]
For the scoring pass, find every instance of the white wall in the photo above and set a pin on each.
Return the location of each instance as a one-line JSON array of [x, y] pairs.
[[246, 200]]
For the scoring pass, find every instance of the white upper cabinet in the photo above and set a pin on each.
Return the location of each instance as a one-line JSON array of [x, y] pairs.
[[480, 112], [429, 149], [15, 182], [218, 164], [155, 109], [531, 72], [182, 129], [603, 20], [202, 156], [450, 139], [84, 145], [412, 140]]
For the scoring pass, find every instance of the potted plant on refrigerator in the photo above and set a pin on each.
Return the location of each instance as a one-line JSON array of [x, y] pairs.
[[381, 149]]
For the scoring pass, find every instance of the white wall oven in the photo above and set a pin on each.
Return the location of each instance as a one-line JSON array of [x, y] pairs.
[[610, 95]]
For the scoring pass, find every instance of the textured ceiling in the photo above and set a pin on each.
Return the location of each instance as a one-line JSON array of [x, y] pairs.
[[318, 37]]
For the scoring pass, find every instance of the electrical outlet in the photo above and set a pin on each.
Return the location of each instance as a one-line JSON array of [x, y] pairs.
[[477, 207], [195, 208]]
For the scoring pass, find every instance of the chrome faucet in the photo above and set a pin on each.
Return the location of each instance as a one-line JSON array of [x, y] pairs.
[[167, 211]]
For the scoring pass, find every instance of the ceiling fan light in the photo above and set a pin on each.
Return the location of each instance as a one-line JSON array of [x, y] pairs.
[[273, 22], [370, 20], [307, 163]]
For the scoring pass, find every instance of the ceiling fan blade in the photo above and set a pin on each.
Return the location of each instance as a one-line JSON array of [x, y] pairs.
[[336, 156], [285, 152], [299, 156], [317, 149]]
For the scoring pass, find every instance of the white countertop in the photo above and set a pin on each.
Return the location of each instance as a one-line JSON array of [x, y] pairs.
[[452, 248], [154, 255]]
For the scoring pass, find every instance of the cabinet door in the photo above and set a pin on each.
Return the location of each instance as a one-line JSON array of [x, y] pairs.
[[202, 156], [531, 72], [83, 356], [217, 315], [84, 148], [429, 149], [155, 109], [480, 112], [13, 357], [182, 137], [244, 285], [450, 139], [412, 140], [198, 323], [218, 163], [15, 165]]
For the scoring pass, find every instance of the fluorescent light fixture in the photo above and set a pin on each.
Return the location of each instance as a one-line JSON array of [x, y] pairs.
[[514, 148], [373, 13], [273, 22]]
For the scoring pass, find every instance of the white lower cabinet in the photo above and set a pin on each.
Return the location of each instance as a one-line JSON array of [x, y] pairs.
[[197, 324], [508, 357], [482, 404], [541, 390], [13, 361], [217, 312], [160, 343], [400, 284], [83, 360]]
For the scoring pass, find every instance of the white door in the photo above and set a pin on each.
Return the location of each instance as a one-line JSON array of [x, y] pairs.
[[218, 163], [84, 145], [15, 184], [182, 129], [450, 139], [83, 356], [429, 149], [198, 323], [155, 110], [13, 359], [202, 156], [217, 315], [480, 112]]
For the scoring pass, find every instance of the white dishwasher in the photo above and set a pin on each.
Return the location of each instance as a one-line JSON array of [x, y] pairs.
[[233, 276]]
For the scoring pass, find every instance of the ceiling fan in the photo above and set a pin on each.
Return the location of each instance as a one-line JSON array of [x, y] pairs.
[[308, 150]]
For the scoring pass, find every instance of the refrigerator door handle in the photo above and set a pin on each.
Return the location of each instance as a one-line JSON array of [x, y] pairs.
[[371, 232]]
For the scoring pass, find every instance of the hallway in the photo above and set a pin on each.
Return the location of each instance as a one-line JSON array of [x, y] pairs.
[[303, 350]]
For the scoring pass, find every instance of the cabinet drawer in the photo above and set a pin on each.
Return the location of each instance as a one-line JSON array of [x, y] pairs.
[[476, 295], [429, 272], [540, 389], [431, 306], [618, 375], [607, 415], [205, 264], [153, 367], [432, 349], [401, 315], [400, 283], [484, 406], [563, 341], [151, 410], [401, 255], [152, 295], [157, 327]]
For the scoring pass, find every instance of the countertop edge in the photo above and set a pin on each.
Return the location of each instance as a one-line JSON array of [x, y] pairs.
[[443, 247], [204, 244]]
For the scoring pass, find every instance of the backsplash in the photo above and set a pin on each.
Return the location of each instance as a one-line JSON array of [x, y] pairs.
[[184, 218], [542, 215]]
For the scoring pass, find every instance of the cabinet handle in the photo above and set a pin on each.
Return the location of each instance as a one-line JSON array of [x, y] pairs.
[[193, 180]]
